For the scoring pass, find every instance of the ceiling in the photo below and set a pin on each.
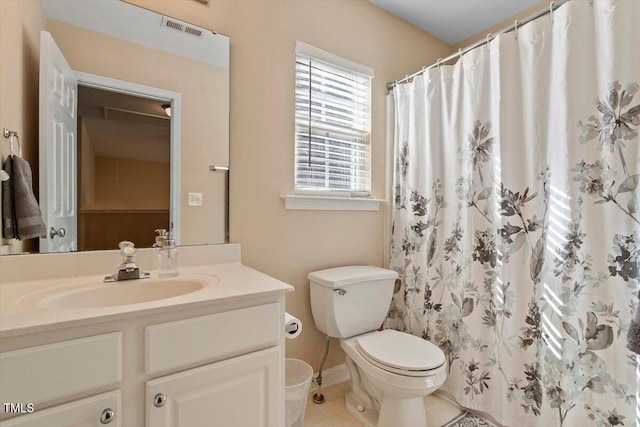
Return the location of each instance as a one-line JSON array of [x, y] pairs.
[[455, 20], [124, 126]]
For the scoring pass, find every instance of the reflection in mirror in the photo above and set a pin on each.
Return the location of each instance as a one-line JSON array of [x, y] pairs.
[[113, 41], [123, 168]]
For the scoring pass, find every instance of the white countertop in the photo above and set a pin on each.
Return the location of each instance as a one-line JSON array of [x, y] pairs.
[[21, 311]]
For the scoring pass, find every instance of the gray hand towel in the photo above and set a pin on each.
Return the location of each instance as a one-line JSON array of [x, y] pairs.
[[8, 214], [633, 334], [21, 215]]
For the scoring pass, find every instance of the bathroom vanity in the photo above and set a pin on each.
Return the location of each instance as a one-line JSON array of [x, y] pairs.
[[205, 348]]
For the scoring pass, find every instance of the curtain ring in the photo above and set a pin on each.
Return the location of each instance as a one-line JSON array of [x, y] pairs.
[[551, 10], [488, 39], [515, 29], [438, 62]]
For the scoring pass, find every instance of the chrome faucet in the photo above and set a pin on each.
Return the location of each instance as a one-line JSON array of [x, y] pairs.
[[127, 270]]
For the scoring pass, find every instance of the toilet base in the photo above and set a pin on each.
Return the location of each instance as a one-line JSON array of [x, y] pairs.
[[397, 412], [368, 417], [402, 412]]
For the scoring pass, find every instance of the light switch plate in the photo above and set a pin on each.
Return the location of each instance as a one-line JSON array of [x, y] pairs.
[[195, 199]]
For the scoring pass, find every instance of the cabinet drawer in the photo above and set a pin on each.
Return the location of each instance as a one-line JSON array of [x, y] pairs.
[[39, 374], [83, 412], [175, 344]]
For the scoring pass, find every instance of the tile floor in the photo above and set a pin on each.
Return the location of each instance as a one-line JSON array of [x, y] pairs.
[[332, 413]]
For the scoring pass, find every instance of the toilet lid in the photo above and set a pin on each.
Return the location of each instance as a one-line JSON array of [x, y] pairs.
[[400, 351]]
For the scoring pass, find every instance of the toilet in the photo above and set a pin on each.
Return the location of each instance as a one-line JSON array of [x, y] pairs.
[[390, 371]]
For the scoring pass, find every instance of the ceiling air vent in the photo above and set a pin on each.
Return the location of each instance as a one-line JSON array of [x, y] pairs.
[[181, 26], [192, 30], [174, 25]]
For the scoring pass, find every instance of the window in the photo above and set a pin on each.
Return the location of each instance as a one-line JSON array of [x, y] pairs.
[[333, 125]]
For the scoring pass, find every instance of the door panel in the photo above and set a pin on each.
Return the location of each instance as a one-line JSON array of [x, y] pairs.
[[58, 164]]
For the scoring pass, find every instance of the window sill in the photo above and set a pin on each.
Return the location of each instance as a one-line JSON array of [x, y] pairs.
[[324, 203]]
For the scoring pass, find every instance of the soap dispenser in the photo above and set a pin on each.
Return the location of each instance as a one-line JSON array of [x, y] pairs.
[[167, 254]]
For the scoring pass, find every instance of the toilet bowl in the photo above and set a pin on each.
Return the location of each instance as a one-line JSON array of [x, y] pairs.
[[390, 371]]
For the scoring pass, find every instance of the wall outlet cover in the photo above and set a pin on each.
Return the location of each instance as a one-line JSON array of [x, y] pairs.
[[195, 199]]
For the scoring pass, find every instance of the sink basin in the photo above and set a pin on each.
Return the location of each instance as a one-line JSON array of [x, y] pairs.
[[122, 293]]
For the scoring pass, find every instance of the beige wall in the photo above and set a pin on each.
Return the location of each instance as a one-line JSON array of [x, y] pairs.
[[130, 185], [205, 130], [290, 244], [20, 26], [130, 200]]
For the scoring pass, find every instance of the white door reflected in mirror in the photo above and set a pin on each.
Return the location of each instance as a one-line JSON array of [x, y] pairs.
[[58, 161]]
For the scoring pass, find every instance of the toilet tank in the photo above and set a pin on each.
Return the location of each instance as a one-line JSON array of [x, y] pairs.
[[349, 301]]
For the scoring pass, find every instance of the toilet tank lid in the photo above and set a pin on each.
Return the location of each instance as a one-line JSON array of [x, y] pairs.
[[343, 276]]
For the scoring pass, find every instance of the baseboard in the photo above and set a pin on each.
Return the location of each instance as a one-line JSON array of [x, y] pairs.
[[445, 395], [332, 376]]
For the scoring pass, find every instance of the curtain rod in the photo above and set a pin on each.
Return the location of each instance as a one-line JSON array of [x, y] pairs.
[[552, 6]]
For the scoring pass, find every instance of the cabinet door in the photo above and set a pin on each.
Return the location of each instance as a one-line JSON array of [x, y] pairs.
[[240, 392], [79, 413]]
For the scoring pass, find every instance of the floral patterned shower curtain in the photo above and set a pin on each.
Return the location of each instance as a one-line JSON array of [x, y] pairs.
[[516, 226]]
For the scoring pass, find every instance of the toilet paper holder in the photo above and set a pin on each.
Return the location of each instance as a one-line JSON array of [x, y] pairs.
[[290, 329], [292, 326]]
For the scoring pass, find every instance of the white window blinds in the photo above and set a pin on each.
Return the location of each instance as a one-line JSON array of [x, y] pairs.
[[333, 125]]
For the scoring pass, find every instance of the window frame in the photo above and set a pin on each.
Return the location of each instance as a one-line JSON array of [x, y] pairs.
[[318, 55]]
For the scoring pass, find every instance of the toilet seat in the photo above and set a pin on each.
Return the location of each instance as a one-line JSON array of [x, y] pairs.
[[400, 353]]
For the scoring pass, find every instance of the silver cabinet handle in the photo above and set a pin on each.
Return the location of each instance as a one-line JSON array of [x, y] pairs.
[[59, 232], [107, 416], [340, 291], [159, 400]]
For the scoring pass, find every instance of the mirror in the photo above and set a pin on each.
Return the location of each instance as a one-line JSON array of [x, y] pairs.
[[138, 169]]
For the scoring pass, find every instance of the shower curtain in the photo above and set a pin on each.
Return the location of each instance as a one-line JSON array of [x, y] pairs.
[[516, 224]]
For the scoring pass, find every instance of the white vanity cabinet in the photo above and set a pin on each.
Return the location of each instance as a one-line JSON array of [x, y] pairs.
[[214, 364], [238, 392], [48, 372], [241, 391]]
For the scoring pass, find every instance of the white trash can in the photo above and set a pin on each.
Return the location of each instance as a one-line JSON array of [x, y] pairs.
[[297, 379]]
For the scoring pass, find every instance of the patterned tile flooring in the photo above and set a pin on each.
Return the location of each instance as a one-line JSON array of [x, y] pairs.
[[332, 413]]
